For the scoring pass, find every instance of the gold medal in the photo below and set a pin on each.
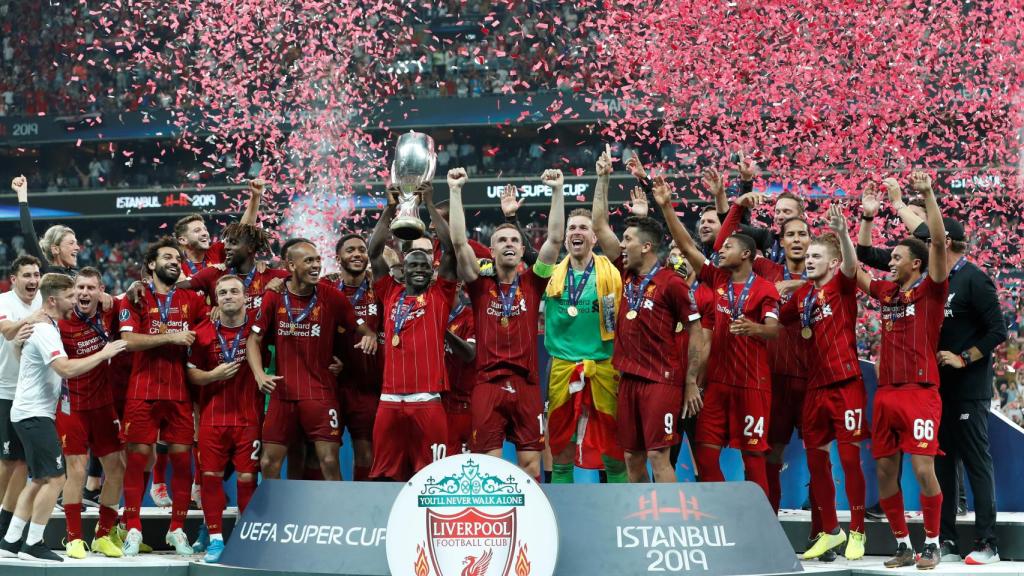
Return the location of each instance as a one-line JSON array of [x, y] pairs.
[[679, 327], [631, 315], [163, 328], [572, 311], [395, 340], [806, 332], [504, 321], [888, 325]]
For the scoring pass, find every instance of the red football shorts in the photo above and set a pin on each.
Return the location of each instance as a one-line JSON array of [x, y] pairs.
[[906, 418], [460, 425], [648, 414], [407, 436], [734, 417], [787, 403], [98, 430], [358, 410], [836, 412], [291, 420], [507, 408], [172, 420], [239, 444]]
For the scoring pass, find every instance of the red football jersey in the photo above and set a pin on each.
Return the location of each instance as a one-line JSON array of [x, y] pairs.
[[461, 375], [83, 338], [215, 255], [159, 373], [740, 361], [305, 348], [911, 321], [832, 348], [362, 371], [233, 402], [507, 350], [205, 281], [787, 355], [416, 365], [705, 299], [645, 345]]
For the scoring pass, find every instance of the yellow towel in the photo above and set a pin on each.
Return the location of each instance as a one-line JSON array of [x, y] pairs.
[[609, 290]]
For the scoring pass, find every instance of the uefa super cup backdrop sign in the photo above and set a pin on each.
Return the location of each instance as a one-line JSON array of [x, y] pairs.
[[472, 515]]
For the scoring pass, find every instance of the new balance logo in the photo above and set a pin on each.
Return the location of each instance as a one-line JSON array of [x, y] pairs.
[[60, 463], [965, 416], [508, 388], [922, 444], [7, 447]]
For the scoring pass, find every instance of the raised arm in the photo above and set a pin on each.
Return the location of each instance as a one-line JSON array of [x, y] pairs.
[[447, 268], [28, 229], [468, 266], [606, 239], [937, 267], [910, 220], [381, 231], [877, 258], [252, 208], [715, 184], [682, 238], [837, 223], [556, 218]]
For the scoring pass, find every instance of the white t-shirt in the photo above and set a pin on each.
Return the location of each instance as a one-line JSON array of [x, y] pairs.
[[13, 309], [38, 384]]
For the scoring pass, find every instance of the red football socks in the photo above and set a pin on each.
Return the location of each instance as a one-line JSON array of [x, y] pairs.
[[181, 488], [134, 487], [754, 471], [893, 508], [774, 484], [73, 519], [931, 509], [709, 469], [856, 490], [823, 487], [214, 501], [245, 491]]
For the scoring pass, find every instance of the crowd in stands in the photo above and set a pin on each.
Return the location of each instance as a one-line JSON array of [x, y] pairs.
[[460, 49]]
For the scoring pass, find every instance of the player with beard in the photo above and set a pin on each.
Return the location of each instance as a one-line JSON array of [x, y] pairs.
[[242, 243], [230, 406], [19, 307], [158, 401], [907, 407], [89, 423], [655, 300], [194, 239], [43, 367], [787, 205], [360, 378], [787, 353], [411, 428], [580, 306], [303, 321], [824, 311], [506, 400], [737, 398]]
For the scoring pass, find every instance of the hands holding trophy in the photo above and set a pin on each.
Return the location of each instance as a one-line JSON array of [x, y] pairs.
[[414, 163]]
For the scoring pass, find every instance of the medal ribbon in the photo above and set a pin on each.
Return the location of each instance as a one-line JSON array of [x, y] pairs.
[[459, 307], [96, 323], [635, 295], [165, 308], [809, 301], [356, 298], [508, 299], [227, 354], [305, 311], [248, 279], [736, 308], [959, 264], [576, 290], [192, 267], [402, 311]]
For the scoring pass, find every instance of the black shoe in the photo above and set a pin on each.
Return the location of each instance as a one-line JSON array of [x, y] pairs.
[[829, 556], [875, 512], [38, 551], [9, 549], [961, 509], [949, 551], [904, 557], [929, 558], [91, 498]]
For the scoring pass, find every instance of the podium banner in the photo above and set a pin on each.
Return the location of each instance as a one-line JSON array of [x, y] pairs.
[[307, 526], [717, 529]]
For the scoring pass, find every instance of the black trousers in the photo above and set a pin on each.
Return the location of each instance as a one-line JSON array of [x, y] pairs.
[[963, 436]]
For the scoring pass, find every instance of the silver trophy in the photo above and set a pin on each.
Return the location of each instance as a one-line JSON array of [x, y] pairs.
[[415, 160]]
